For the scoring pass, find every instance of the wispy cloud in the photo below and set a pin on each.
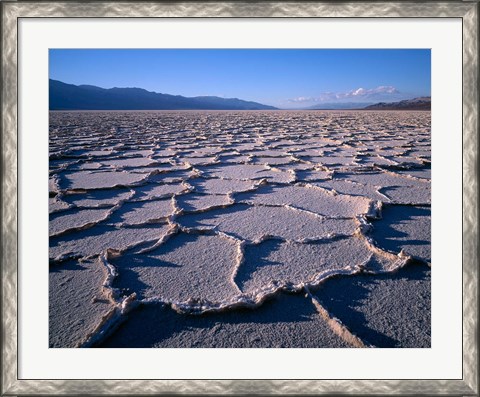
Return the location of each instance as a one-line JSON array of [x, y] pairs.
[[383, 92]]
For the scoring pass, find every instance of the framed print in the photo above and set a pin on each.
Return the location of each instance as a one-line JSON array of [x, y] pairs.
[[240, 198]]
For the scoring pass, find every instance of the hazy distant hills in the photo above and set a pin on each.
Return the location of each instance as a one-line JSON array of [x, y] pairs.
[[64, 96], [421, 103]]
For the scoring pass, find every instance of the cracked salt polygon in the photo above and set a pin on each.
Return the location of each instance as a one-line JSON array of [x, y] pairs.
[[56, 205], [374, 160], [64, 221], [244, 171], [201, 202], [198, 160], [153, 191], [185, 266], [164, 153], [312, 199], [102, 179], [290, 262], [59, 164], [273, 160], [88, 165], [174, 175], [383, 179], [139, 153], [393, 152], [208, 150], [99, 153], [313, 175], [307, 152], [234, 159], [329, 160], [255, 222], [423, 173], [424, 154], [268, 153], [142, 212], [128, 162], [406, 161], [96, 240], [351, 189], [221, 186]]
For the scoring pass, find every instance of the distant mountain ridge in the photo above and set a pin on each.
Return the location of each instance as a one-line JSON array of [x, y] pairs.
[[63, 96], [420, 103]]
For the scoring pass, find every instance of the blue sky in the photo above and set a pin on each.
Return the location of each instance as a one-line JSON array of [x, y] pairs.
[[286, 78]]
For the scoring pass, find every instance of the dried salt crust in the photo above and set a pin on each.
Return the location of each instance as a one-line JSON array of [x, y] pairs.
[[228, 211]]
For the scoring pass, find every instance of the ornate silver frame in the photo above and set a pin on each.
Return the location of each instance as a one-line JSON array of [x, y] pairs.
[[467, 11]]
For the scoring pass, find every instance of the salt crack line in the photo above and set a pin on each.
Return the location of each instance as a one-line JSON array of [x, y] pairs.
[[89, 225], [335, 324], [117, 314], [174, 229]]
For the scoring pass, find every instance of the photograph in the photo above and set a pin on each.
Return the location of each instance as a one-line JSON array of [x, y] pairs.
[[239, 198]]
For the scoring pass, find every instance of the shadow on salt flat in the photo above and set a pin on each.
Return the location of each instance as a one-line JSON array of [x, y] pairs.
[[405, 227], [284, 321], [388, 310], [142, 212], [96, 240], [96, 198]]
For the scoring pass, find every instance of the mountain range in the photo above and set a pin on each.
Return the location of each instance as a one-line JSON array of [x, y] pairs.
[[64, 96]]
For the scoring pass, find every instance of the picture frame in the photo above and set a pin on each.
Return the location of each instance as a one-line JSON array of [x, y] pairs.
[[13, 11]]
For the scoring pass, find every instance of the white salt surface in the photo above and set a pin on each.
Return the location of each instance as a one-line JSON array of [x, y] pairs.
[[156, 191], [309, 198], [127, 163], [94, 241], [290, 262], [140, 213], [100, 180], [75, 296], [221, 186], [216, 213], [61, 223], [254, 223], [188, 267]]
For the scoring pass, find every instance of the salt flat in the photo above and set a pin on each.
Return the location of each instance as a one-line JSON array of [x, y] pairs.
[[240, 229]]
